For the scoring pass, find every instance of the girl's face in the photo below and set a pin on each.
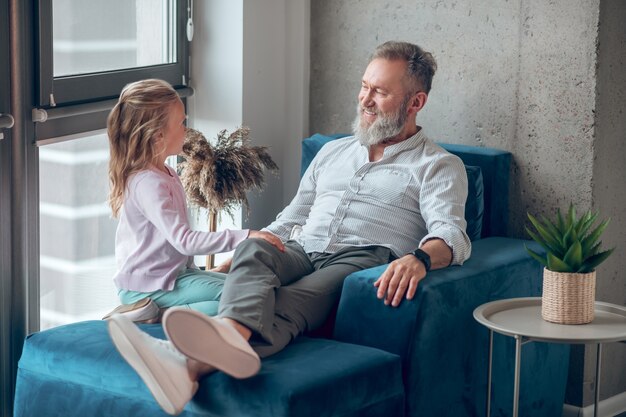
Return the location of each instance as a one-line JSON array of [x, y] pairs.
[[174, 133]]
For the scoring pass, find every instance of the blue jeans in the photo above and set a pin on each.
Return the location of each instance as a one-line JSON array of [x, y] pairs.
[[195, 289]]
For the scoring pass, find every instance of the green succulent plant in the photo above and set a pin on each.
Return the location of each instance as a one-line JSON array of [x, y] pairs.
[[570, 243]]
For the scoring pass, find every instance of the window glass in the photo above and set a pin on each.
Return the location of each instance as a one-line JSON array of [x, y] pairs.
[[88, 51], [77, 233], [92, 36]]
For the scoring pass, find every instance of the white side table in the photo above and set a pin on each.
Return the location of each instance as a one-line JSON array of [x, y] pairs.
[[521, 318]]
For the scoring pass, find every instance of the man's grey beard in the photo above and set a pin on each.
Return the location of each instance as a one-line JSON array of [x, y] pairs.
[[385, 127]]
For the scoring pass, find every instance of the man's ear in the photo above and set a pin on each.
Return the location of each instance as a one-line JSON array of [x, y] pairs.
[[418, 101]]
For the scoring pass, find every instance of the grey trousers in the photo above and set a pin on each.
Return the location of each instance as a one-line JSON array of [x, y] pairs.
[[279, 295]]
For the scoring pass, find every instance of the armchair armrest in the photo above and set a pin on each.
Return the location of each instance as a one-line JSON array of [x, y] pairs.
[[443, 349], [498, 268]]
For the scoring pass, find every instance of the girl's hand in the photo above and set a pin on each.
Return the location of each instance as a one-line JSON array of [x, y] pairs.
[[269, 237], [224, 266]]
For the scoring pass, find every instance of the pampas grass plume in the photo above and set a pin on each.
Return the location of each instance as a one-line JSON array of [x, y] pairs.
[[217, 177]]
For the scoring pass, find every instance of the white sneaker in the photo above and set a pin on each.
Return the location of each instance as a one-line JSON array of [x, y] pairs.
[[144, 310], [211, 341], [161, 367]]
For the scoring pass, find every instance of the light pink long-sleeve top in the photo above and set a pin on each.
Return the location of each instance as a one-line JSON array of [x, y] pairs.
[[154, 241]]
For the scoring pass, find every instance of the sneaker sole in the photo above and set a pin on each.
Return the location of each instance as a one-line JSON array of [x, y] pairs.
[[208, 343], [162, 389]]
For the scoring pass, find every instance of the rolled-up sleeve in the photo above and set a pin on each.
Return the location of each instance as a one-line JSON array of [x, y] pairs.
[[442, 205]]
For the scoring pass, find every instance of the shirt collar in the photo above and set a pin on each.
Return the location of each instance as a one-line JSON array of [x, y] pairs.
[[413, 142]]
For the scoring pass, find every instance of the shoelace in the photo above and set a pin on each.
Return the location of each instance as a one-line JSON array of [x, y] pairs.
[[180, 387], [169, 346]]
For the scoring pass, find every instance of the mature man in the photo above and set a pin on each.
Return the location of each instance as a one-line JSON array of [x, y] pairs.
[[385, 194]]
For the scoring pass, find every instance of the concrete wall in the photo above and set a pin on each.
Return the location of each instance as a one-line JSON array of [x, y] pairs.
[[473, 96], [522, 75], [609, 170], [554, 136], [517, 75]]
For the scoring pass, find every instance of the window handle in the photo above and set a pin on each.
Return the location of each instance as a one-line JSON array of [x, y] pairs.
[[190, 20], [6, 122]]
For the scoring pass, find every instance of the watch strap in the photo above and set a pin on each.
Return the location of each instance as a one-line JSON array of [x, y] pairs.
[[422, 256]]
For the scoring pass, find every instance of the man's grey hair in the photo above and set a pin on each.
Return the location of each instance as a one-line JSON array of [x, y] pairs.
[[421, 65]]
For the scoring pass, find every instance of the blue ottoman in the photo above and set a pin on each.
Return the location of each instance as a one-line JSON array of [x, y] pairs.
[[75, 370]]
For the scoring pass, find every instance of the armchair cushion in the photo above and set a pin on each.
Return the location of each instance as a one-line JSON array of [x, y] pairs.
[[474, 205]]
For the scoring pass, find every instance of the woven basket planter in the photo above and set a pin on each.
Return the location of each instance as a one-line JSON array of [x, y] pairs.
[[568, 298]]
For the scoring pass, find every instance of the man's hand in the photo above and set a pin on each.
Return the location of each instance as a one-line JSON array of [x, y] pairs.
[[224, 266], [269, 237], [400, 279], [403, 275]]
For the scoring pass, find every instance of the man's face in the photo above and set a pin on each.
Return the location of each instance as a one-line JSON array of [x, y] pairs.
[[383, 102]]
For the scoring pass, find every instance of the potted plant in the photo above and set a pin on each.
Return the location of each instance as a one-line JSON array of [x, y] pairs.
[[217, 176], [572, 253]]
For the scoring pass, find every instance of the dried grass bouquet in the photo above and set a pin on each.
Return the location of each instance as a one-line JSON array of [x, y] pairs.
[[217, 177]]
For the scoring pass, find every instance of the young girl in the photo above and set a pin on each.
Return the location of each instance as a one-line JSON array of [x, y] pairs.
[[154, 244]]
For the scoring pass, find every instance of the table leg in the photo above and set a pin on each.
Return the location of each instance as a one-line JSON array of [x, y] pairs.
[[489, 375], [598, 365], [518, 356]]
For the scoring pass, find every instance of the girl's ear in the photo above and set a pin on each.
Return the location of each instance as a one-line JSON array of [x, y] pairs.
[[158, 139]]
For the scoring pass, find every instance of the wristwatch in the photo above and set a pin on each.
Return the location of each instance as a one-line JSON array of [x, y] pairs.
[[422, 256]]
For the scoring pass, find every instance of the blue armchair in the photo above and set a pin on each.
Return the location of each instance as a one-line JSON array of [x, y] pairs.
[[427, 357], [444, 351]]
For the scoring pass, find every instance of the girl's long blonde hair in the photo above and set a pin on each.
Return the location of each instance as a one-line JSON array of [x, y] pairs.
[[135, 127]]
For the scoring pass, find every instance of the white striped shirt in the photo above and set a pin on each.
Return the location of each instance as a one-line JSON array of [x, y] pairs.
[[414, 193]]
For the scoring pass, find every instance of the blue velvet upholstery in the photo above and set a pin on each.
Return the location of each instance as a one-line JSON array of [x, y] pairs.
[[74, 370], [444, 350], [427, 358], [495, 166], [474, 205], [312, 145]]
